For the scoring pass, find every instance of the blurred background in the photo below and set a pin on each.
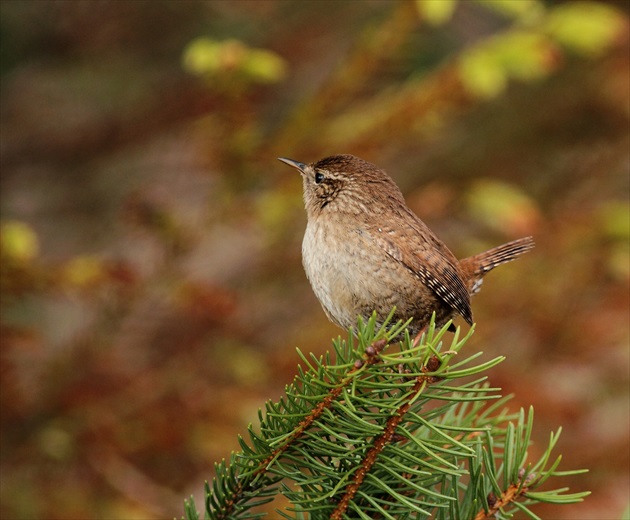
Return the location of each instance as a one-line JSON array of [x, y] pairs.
[[151, 283]]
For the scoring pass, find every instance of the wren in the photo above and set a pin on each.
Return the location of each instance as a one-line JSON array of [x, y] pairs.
[[364, 250]]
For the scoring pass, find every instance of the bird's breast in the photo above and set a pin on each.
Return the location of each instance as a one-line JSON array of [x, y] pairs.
[[345, 270], [323, 257]]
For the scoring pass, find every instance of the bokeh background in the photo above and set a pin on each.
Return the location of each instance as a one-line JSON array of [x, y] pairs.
[[151, 282]]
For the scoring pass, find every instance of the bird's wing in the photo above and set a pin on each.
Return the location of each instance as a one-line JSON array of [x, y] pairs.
[[425, 255]]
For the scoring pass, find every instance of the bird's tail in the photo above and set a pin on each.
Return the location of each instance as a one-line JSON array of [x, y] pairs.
[[475, 267]]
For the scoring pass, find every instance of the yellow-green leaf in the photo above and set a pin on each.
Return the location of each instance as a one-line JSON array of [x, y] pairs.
[[525, 55], [436, 12], [615, 220], [502, 206], [201, 56], [265, 66], [481, 74], [486, 68], [209, 58], [587, 28], [18, 241]]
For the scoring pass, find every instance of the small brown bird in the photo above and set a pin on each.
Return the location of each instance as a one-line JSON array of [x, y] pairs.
[[364, 250]]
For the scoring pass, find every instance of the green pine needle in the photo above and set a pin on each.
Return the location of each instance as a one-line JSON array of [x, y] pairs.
[[380, 427]]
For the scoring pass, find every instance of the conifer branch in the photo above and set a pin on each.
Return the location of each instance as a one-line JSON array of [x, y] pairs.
[[382, 440], [373, 431], [512, 493], [371, 357]]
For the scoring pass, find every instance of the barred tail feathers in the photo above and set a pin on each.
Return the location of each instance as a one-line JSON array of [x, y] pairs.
[[475, 267]]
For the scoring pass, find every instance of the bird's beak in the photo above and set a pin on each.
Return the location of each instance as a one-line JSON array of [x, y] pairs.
[[298, 165]]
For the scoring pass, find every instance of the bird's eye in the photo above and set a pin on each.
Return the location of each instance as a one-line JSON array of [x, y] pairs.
[[319, 177]]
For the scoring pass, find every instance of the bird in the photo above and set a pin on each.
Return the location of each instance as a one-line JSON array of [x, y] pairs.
[[365, 251]]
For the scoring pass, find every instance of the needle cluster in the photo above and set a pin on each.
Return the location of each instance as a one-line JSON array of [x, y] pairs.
[[384, 429]]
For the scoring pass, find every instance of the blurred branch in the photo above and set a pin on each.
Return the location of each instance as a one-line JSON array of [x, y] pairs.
[[373, 49], [132, 483], [530, 49]]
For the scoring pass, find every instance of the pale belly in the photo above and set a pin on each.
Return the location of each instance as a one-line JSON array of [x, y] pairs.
[[352, 277]]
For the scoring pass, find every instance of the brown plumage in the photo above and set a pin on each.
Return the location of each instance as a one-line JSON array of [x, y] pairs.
[[364, 250]]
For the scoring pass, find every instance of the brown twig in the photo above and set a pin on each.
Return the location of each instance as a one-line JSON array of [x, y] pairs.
[[387, 437], [371, 357], [512, 493]]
